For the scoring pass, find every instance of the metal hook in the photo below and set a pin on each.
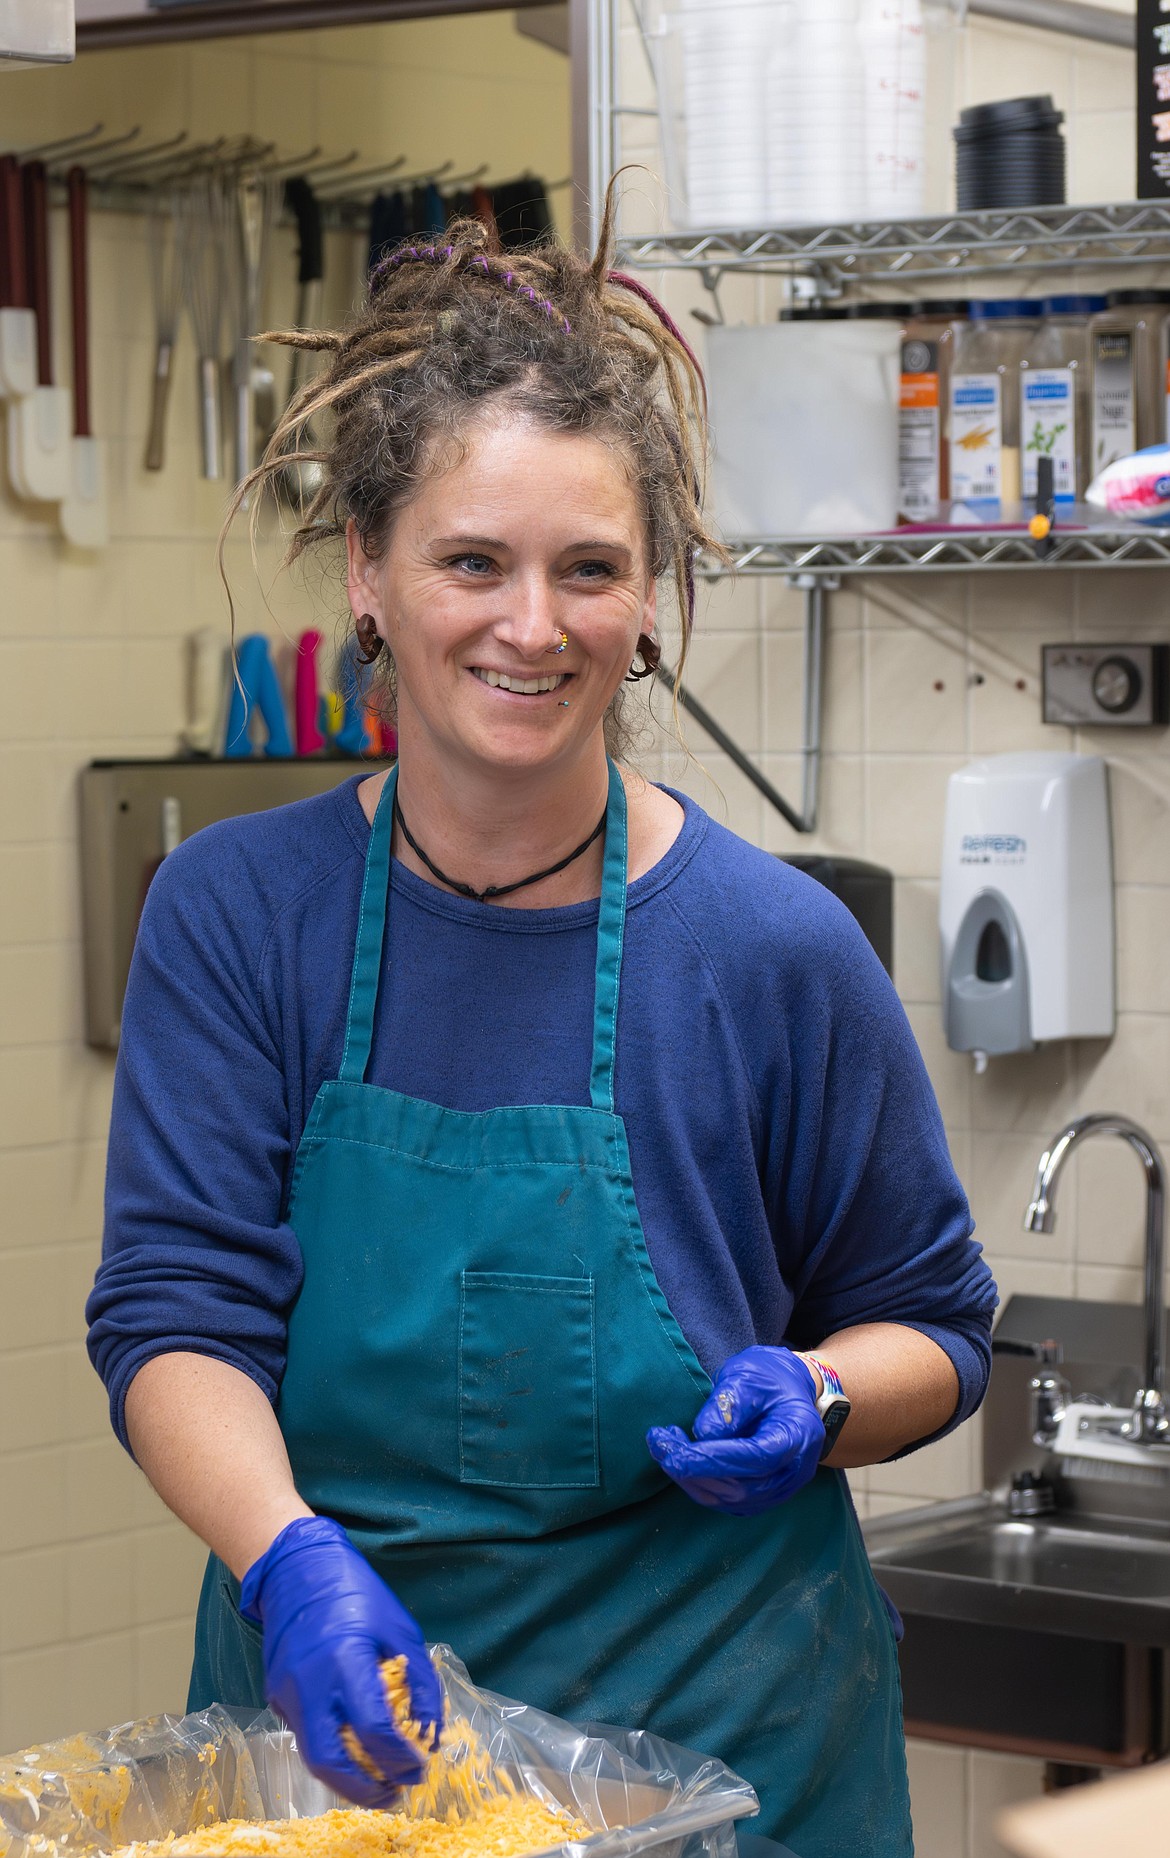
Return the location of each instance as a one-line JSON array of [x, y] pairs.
[[105, 170], [61, 146], [289, 164], [464, 180], [332, 161], [367, 179], [92, 149]]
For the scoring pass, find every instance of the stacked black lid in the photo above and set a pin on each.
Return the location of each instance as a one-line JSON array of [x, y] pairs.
[[1010, 154]]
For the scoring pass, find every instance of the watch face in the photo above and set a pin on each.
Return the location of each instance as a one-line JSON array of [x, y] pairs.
[[834, 1411]]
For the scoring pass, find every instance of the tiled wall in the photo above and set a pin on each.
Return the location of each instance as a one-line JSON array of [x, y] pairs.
[[97, 1584], [923, 673]]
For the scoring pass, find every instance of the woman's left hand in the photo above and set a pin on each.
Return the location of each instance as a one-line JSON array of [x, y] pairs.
[[758, 1438]]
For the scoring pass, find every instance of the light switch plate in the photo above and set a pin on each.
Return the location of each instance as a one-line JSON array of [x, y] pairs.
[[1109, 686]]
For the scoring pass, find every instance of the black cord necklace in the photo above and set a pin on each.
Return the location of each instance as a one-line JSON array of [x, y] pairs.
[[493, 890]]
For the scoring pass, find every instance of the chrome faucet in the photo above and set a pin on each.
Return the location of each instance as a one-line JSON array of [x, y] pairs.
[[1149, 1424]]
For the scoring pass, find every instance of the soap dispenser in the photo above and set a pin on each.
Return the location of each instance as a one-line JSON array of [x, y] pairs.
[[1026, 904]]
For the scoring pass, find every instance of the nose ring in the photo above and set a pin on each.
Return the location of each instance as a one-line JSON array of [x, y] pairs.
[[564, 641]]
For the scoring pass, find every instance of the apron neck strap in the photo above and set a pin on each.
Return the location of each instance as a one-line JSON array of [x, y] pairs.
[[611, 929], [367, 954]]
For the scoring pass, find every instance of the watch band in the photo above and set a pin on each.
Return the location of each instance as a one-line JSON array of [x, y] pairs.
[[829, 1376]]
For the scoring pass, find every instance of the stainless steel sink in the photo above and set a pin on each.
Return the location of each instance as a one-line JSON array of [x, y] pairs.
[[1061, 1573]]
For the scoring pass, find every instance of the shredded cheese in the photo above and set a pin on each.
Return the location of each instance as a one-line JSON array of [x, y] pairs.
[[504, 1828], [464, 1807]]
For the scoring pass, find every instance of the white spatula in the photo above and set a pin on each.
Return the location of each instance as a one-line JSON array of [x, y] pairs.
[[40, 423], [84, 513], [18, 325]]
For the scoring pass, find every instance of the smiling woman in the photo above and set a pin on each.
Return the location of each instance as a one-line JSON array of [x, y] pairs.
[[480, 1185]]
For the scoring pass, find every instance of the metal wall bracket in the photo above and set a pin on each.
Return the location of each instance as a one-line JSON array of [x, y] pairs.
[[816, 589]]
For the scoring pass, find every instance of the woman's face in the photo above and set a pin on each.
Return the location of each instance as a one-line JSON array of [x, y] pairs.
[[530, 534]]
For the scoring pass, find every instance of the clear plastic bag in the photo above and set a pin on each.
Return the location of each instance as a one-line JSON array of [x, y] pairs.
[[171, 1774]]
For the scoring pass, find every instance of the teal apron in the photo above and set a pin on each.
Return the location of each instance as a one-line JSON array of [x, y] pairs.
[[476, 1354]]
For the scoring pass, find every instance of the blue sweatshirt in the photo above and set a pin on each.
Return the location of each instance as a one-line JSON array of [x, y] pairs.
[[788, 1157]]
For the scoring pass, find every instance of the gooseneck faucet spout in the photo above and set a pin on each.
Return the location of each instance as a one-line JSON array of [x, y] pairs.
[[1150, 1420]]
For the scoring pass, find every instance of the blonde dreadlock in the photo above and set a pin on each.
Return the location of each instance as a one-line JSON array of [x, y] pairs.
[[454, 324]]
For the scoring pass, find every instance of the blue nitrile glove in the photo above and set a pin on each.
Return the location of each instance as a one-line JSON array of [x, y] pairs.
[[759, 1435], [329, 1621]]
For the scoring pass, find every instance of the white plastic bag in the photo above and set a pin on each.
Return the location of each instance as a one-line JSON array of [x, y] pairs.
[[171, 1774], [1136, 488]]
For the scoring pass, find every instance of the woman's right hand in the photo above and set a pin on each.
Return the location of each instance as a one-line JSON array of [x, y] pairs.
[[329, 1623]]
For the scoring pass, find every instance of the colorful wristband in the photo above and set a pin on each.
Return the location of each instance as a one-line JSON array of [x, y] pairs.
[[830, 1377]]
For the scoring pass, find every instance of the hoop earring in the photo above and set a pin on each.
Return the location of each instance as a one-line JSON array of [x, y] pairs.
[[370, 644], [650, 652]]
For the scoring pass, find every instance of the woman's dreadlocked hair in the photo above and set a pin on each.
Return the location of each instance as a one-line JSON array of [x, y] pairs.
[[452, 325]]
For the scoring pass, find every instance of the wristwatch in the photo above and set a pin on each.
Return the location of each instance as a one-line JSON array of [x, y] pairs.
[[834, 1405]]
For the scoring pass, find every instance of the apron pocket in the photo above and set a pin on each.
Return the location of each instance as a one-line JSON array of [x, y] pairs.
[[527, 1381]]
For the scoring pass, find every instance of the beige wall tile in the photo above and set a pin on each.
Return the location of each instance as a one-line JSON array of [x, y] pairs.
[[1006, 711], [1033, 601], [951, 1072], [36, 1295], [1139, 797], [1033, 1092], [1110, 603], [1102, 160], [729, 605], [35, 1694], [998, 1781], [840, 811], [34, 1398], [32, 1599], [916, 944], [916, 693], [725, 672], [101, 1485], [102, 1686], [719, 787], [40, 994], [1003, 1167], [32, 1197], [784, 605], [931, 602], [1108, 1283], [906, 801], [1104, 77], [168, 1565], [946, 1469], [1109, 1184], [1143, 947], [36, 883], [1027, 1277], [162, 1666], [33, 1512], [1131, 1072], [99, 1587], [938, 1798]]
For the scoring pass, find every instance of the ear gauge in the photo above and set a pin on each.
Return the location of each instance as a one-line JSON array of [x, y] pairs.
[[650, 652], [370, 644]]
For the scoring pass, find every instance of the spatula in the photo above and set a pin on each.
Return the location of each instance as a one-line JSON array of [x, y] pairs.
[[18, 325], [84, 513], [39, 423]]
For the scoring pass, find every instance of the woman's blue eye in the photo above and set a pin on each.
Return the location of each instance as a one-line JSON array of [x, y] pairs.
[[596, 570], [475, 565]]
